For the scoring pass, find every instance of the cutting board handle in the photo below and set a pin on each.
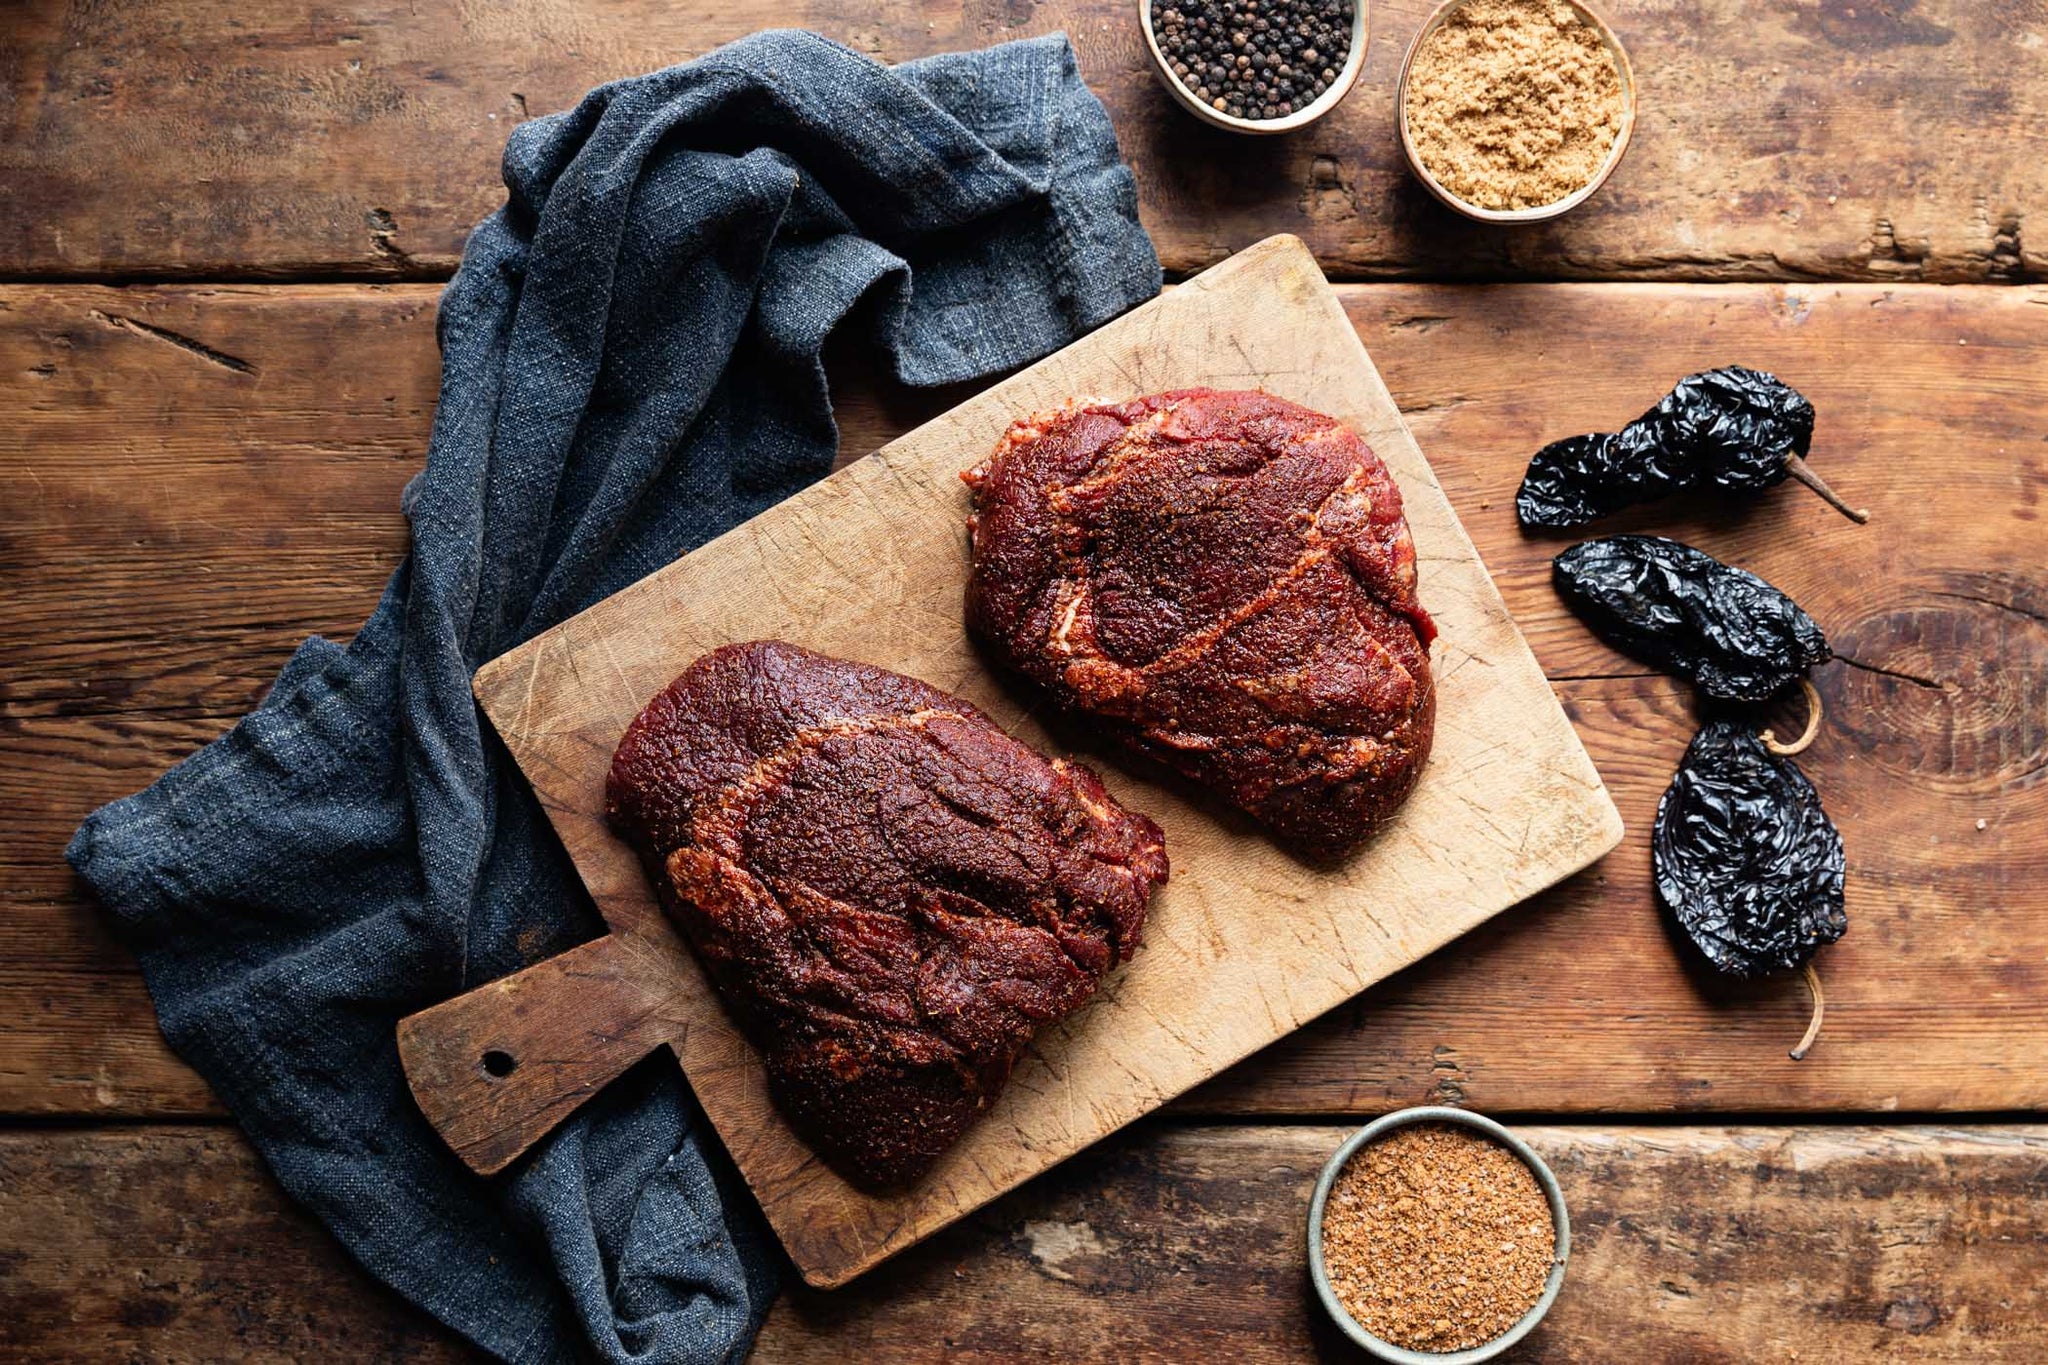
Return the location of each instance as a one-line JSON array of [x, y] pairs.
[[496, 1069]]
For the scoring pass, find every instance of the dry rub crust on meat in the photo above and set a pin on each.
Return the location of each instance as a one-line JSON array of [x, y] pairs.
[[889, 893], [1226, 580]]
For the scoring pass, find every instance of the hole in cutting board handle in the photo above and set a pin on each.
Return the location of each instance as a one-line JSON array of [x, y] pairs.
[[499, 1064]]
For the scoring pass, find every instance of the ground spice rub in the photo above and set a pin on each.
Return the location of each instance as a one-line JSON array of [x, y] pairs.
[[1437, 1238], [1514, 104]]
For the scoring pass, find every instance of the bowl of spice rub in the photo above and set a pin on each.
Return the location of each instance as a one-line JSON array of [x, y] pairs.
[[1256, 66], [1437, 1237], [1515, 111]]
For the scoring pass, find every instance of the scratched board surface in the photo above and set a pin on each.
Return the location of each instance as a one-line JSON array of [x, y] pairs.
[[1245, 943]]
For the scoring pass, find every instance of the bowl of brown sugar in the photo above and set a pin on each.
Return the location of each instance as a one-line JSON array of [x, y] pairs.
[[1515, 111], [1437, 1237]]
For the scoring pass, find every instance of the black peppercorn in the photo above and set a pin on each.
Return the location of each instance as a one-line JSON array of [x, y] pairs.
[[1257, 59]]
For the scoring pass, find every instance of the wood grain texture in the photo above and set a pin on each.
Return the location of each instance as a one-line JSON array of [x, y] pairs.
[[1697, 1245], [1245, 943], [171, 1244], [1165, 1244], [495, 1069], [1903, 140], [148, 498], [166, 450]]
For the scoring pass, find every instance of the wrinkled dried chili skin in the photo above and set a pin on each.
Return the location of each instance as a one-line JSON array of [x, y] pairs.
[[1733, 635], [1745, 858], [1732, 428], [1741, 426], [1584, 478]]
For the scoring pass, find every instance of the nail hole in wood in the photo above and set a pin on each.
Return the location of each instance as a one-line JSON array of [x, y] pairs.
[[499, 1065]]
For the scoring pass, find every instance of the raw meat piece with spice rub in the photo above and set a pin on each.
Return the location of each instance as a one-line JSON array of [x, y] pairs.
[[1224, 579], [890, 894]]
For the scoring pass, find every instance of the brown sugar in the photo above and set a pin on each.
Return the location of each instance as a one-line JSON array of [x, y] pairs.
[[1437, 1238], [1514, 104]]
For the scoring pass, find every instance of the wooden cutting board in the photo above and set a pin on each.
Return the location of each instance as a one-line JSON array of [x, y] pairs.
[[1244, 945]]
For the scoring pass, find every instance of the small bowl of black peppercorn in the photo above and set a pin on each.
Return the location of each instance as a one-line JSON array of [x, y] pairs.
[[1256, 66]]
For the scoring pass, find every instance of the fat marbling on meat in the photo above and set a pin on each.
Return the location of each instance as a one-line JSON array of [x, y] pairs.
[[890, 895], [1225, 580]]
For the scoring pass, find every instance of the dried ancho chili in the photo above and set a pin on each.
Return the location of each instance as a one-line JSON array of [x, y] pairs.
[[1747, 861], [1735, 429], [1733, 635]]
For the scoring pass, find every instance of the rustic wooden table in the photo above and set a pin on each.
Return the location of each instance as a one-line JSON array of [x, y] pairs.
[[222, 231]]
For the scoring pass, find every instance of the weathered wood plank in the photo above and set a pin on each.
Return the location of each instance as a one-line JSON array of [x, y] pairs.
[[1699, 1245], [218, 140], [171, 1244], [170, 528], [1166, 1243], [141, 484], [1931, 1006]]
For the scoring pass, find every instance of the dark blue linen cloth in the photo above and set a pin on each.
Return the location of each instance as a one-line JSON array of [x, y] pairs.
[[629, 366]]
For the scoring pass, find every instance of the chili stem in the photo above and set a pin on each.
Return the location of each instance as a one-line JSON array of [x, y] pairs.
[[1820, 1009], [1805, 740], [1798, 469]]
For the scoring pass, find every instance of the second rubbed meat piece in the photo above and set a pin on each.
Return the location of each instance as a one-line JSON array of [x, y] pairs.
[[1227, 580], [890, 894]]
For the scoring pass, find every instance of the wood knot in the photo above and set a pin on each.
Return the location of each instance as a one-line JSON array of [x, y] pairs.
[[1948, 687], [1327, 198], [1912, 1315], [1447, 1076]]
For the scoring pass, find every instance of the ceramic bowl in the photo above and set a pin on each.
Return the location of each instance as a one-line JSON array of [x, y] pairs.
[[1300, 118], [1400, 1355], [1542, 211]]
